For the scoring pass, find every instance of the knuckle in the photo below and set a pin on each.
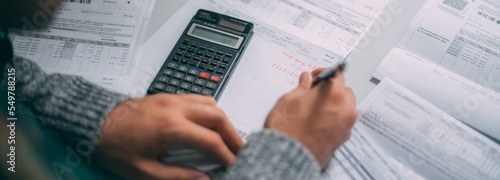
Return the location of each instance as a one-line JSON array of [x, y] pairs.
[[348, 90], [219, 116], [210, 100], [348, 135], [353, 115], [287, 97], [215, 141]]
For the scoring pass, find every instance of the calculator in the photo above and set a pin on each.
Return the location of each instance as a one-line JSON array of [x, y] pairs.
[[205, 55]]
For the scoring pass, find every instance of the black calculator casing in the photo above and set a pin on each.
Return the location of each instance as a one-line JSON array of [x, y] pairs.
[[193, 55]]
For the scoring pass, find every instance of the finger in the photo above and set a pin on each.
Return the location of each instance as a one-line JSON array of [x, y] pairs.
[[350, 99], [337, 88], [305, 82], [196, 98], [214, 118], [153, 169], [317, 71], [201, 138]]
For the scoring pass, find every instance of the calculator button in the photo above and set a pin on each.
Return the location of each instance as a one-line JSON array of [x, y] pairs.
[[203, 66], [214, 78], [214, 63], [205, 60], [218, 58], [191, 50], [177, 58], [209, 55], [189, 56], [184, 61], [211, 50], [194, 45], [186, 42], [182, 68], [159, 86], [211, 85], [185, 85], [198, 58], [194, 63], [193, 71], [196, 89], [163, 79], [199, 82], [179, 53], [178, 75], [204, 75], [203, 48], [175, 82], [183, 47], [223, 66], [229, 55], [199, 52], [211, 69], [172, 65], [170, 89], [206, 92], [226, 60], [168, 72], [220, 52], [219, 71], [180, 92], [189, 78]]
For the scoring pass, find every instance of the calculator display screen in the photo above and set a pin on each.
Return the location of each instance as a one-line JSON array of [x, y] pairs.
[[215, 36]]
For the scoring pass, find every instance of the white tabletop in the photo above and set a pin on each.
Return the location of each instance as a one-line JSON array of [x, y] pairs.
[[380, 41]]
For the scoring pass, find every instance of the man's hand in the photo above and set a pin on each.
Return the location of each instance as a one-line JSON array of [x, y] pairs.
[[320, 117], [138, 132]]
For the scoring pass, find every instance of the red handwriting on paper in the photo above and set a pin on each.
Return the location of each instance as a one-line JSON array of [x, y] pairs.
[[292, 68]]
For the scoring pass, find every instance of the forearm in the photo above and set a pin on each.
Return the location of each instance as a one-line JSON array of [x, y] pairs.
[[69, 106], [272, 155]]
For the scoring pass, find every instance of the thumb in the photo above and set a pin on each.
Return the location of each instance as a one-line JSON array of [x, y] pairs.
[[305, 81], [157, 170]]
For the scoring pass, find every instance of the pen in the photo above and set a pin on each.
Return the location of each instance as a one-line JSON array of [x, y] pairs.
[[329, 73]]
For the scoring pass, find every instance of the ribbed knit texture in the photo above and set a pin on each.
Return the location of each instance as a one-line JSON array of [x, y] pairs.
[[273, 155], [69, 106]]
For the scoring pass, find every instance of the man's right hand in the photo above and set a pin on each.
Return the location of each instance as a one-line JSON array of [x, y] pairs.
[[320, 117]]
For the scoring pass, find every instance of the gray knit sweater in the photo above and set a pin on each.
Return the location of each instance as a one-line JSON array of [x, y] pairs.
[[75, 110]]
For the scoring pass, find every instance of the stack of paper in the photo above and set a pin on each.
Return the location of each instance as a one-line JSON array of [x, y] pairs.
[[450, 56], [95, 39]]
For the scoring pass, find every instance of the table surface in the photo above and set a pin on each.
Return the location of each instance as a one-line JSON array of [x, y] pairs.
[[383, 37]]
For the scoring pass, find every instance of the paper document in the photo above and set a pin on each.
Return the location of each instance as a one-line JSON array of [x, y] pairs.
[[420, 140], [291, 36], [450, 56], [362, 158], [96, 39]]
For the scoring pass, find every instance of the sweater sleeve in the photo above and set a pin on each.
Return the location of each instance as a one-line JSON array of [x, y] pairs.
[[272, 155], [71, 107]]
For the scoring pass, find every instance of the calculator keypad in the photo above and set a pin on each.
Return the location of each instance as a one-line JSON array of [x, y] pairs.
[[194, 68]]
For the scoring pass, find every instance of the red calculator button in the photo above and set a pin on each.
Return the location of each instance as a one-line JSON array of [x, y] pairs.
[[215, 78], [204, 75]]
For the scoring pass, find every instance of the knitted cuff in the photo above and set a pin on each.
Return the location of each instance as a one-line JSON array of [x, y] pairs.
[[69, 106], [273, 155]]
